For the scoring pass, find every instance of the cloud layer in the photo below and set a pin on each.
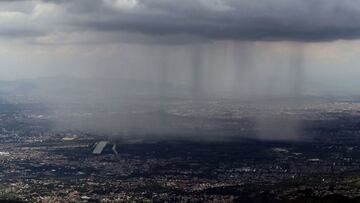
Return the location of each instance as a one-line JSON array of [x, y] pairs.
[[168, 20]]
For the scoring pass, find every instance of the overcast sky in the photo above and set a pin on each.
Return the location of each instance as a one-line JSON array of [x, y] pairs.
[[126, 38], [62, 21]]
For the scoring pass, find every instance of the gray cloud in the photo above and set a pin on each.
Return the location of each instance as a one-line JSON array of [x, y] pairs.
[[311, 20], [21, 33]]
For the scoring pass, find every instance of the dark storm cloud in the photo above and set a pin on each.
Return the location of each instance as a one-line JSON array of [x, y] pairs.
[[311, 20]]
